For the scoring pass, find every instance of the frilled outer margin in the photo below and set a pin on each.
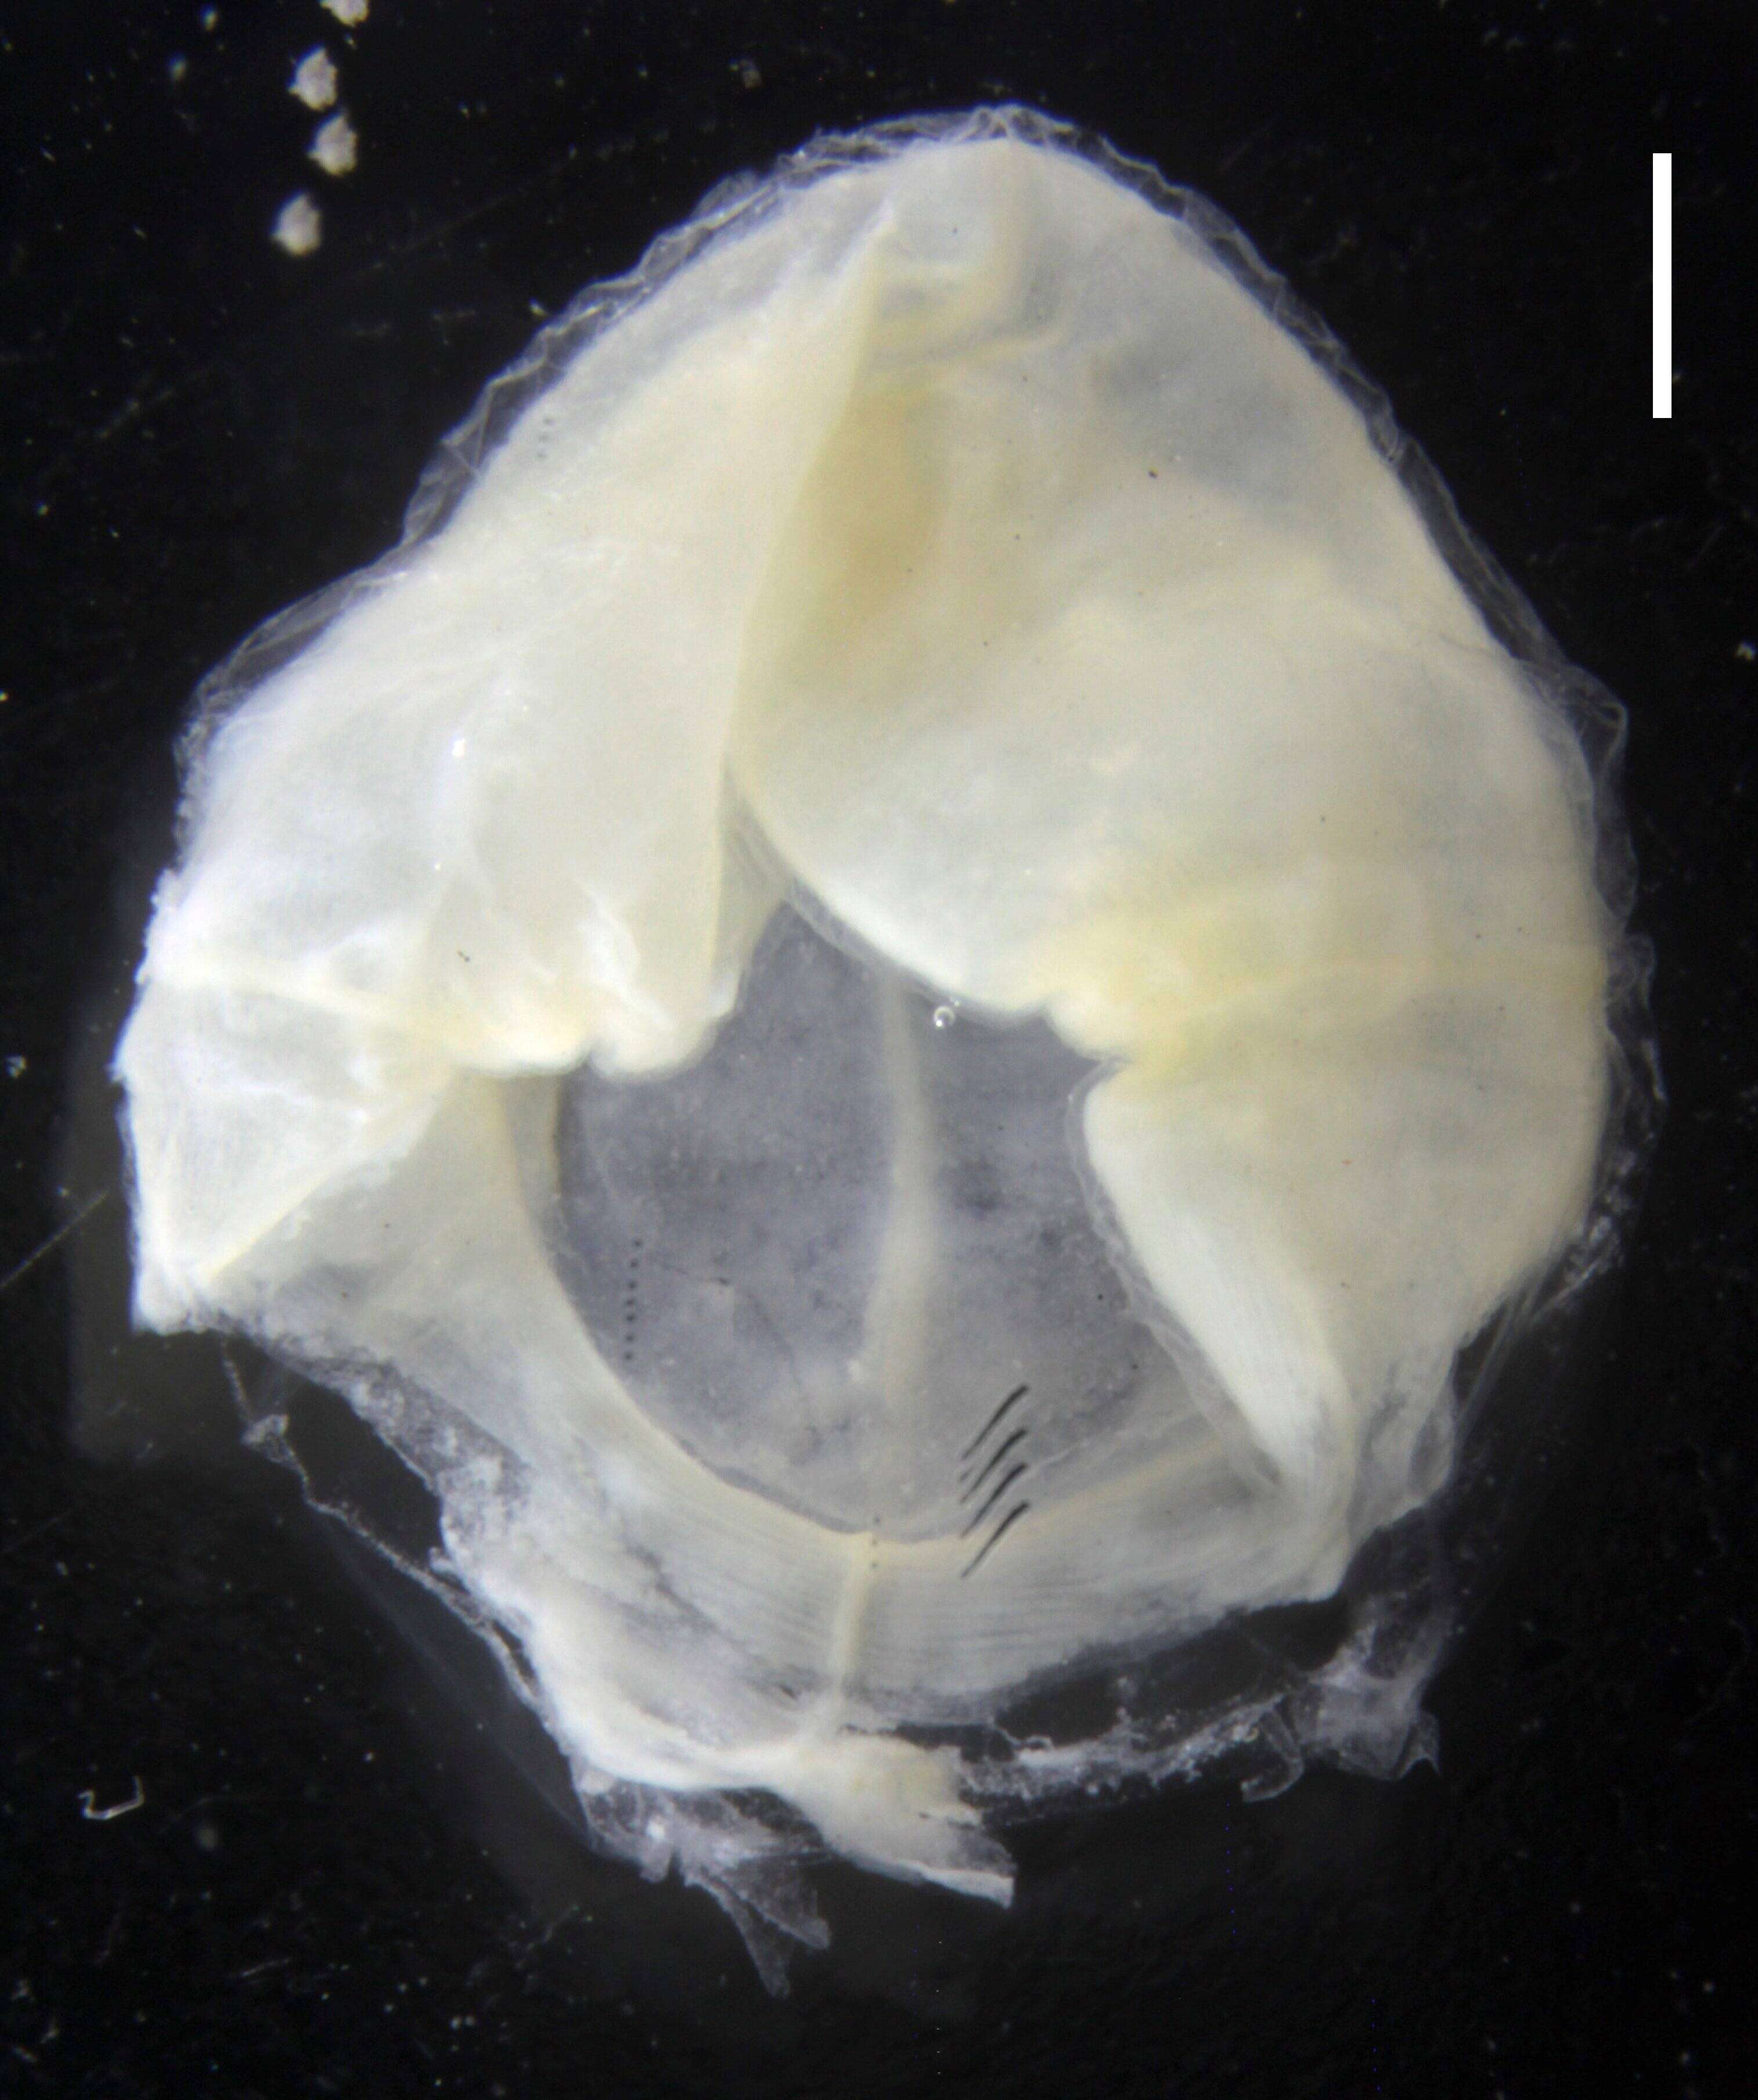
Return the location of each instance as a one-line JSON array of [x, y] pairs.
[[964, 534]]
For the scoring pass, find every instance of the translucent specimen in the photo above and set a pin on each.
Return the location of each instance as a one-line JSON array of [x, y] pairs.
[[892, 999]]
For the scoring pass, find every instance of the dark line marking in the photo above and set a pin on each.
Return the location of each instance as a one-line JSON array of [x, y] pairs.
[[995, 1538], [994, 1459], [1000, 1487], [1018, 1392]]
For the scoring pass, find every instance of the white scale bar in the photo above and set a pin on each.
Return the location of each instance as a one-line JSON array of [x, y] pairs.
[[1663, 372]]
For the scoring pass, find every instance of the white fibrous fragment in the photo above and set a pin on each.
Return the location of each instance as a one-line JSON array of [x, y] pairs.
[[298, 226], [349, 13], [314, 80], [335, 145], [892, 1000]]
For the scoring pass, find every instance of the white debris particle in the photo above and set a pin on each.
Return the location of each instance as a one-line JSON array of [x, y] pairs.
[[749, 76], [1744, 652], [314, 81], [349, 13], [89, 1808], [16, 1067], [177, 67], [335, 145], [299, 228], [210, 20]]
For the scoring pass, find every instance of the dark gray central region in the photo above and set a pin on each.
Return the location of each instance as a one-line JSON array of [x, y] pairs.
[[849, 1156]]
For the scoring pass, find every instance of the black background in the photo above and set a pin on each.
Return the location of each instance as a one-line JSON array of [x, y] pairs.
[[331, 1885]]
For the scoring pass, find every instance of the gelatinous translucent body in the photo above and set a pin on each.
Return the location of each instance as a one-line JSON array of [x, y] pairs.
[[891, 997]]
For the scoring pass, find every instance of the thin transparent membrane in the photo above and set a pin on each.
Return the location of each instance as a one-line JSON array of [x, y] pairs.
[[893, 997], [849, 1257]]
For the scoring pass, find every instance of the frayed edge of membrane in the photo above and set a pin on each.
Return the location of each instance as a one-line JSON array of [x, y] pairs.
[[1348, 1713]]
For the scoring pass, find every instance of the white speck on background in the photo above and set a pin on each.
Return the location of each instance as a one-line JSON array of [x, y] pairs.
[[314, 81], [300, 226], [335, 145], [349, 13]]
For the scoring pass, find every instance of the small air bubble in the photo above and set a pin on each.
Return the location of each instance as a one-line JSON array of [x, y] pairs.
[[945, 1015]]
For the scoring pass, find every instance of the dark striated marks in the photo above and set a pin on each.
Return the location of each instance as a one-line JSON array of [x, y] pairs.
[[993, 1459], [994, 1538], [997, 1459], [993, 1423], [1000, 1488]]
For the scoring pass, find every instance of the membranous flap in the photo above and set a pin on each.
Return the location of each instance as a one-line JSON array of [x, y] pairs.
[[1185, 1026]]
